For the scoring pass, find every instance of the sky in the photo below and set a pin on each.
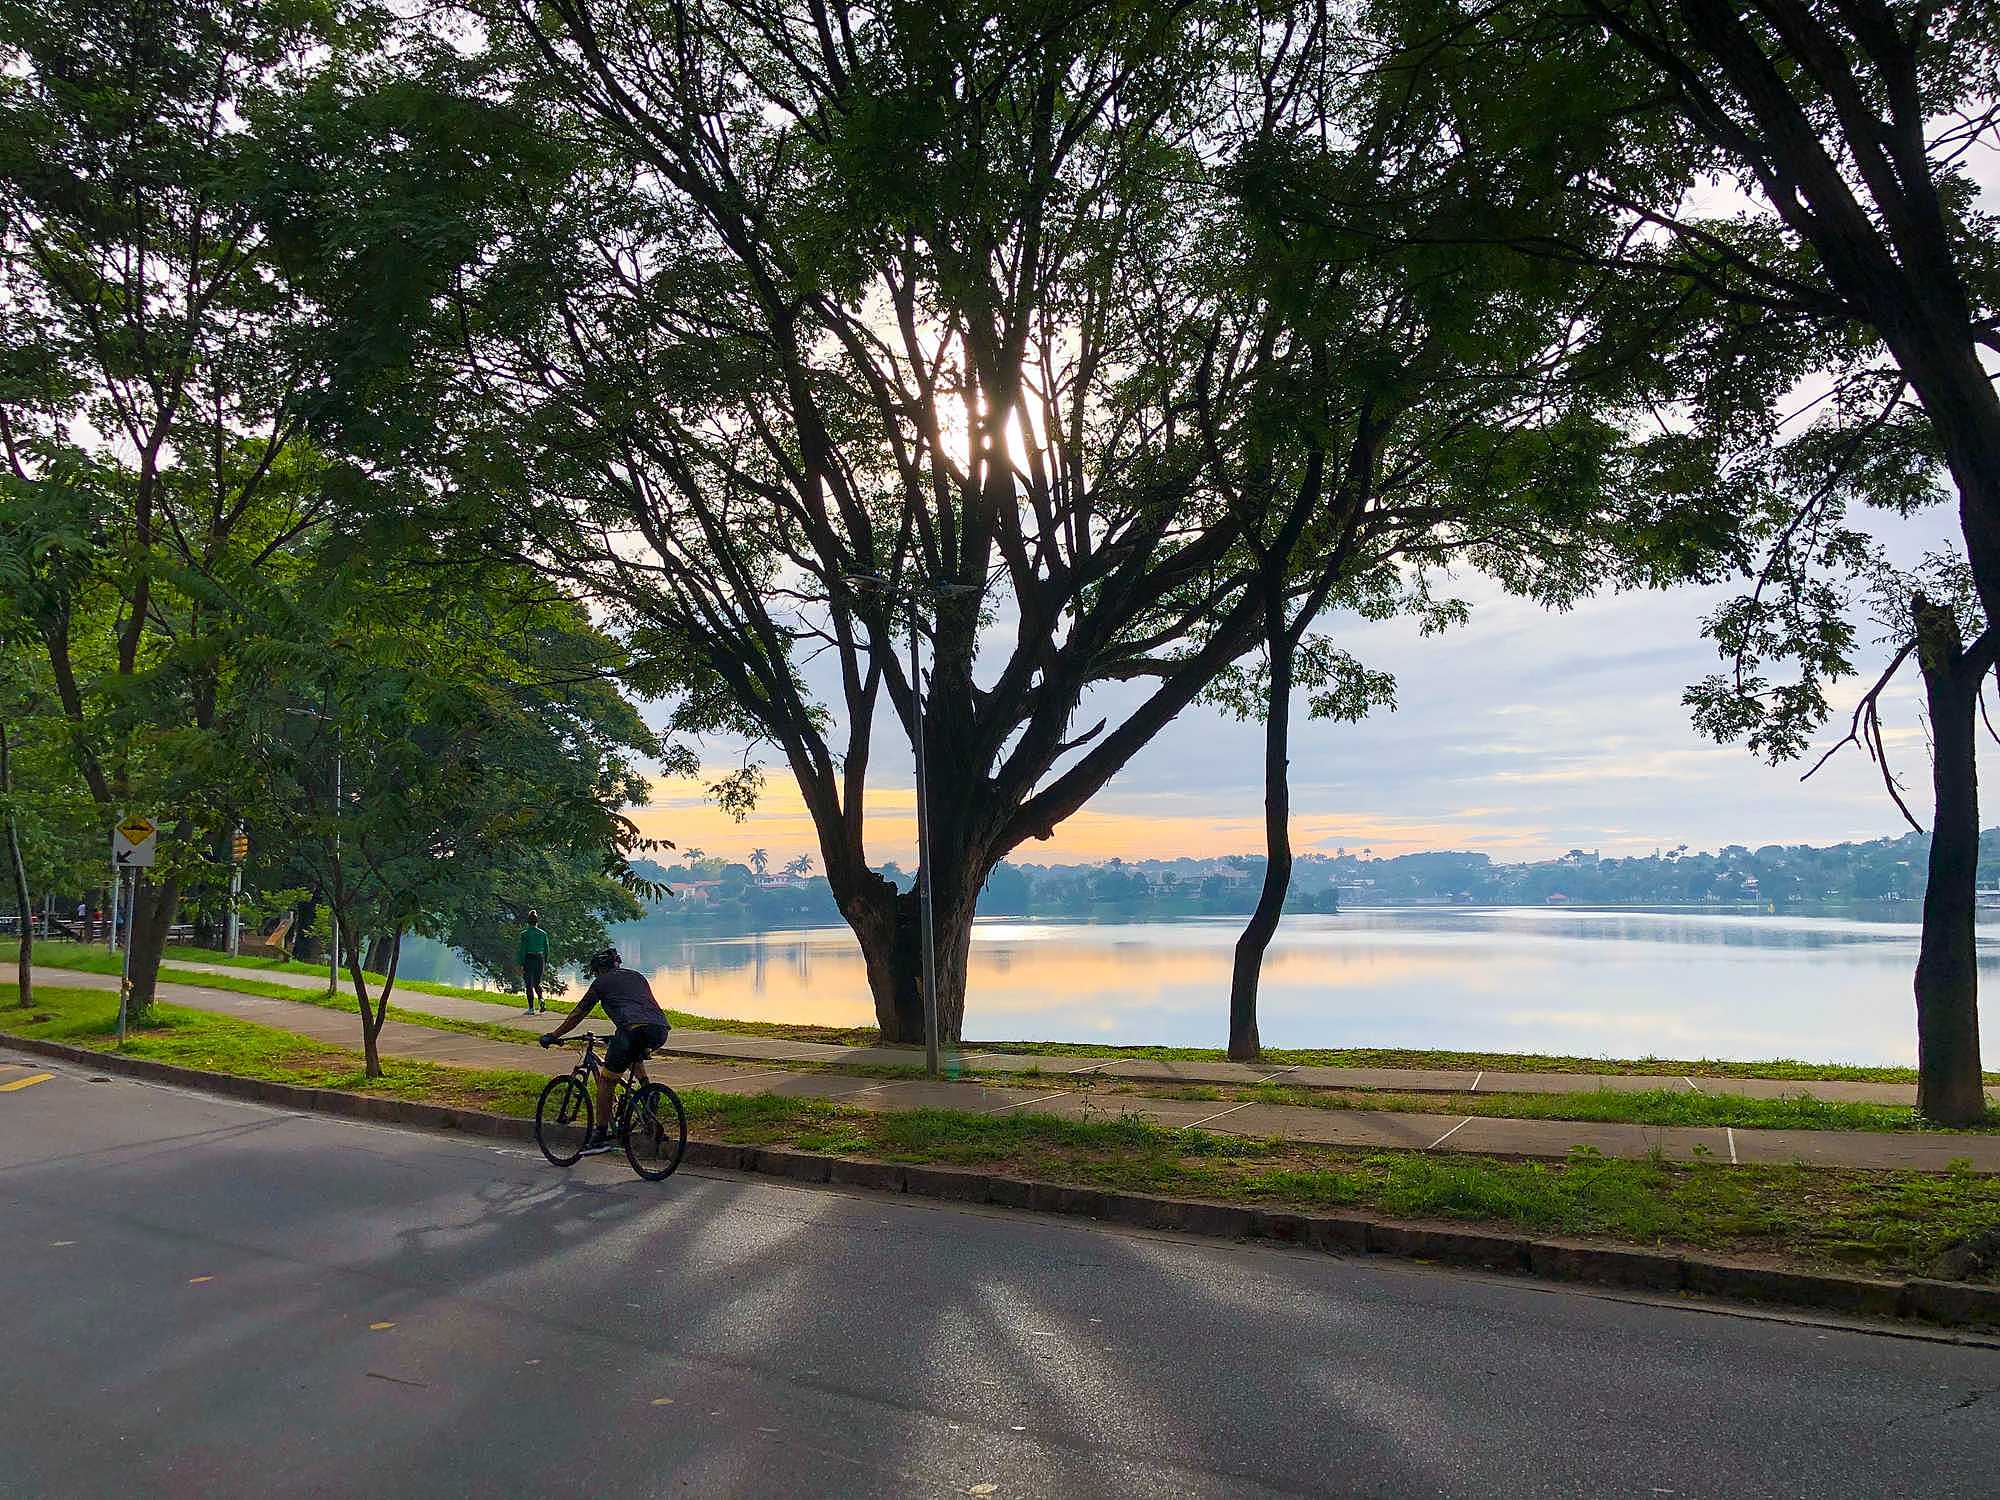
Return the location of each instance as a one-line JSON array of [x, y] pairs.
[[1522, 734]]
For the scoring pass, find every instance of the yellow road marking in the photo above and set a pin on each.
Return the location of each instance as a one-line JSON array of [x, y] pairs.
[[28, 1082], [663, 1401], [198, 1280], [378, 1327]]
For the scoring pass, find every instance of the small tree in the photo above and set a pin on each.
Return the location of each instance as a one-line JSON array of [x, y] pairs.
[[426, 738]]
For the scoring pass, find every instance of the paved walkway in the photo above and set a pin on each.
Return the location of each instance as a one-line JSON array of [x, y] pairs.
[[1142, 1069], [1365, 1129]]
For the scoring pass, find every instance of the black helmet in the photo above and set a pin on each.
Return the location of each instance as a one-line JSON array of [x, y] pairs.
[[603, 961]]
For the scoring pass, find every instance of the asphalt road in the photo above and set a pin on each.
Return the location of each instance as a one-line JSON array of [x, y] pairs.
[[210, 1298]]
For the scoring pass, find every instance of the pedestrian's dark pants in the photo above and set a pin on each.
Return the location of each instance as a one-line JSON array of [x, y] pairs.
[[531, 978]]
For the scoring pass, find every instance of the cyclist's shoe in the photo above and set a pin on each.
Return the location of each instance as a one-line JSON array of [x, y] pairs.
[[595, 1144]]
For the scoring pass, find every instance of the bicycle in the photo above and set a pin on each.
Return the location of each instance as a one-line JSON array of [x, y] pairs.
[[648, 1119]]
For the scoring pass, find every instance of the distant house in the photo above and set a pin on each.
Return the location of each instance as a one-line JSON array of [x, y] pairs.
[[697, 892]]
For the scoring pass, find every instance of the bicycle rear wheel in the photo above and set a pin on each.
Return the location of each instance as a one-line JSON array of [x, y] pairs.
[[562, 1120], [658, 1133]]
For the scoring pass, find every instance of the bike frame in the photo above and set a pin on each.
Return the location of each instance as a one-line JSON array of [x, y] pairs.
[[590, 1065]]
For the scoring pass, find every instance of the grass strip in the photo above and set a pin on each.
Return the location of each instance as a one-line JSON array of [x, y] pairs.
[[1638, 1107], [1890, 1222], [1602, 1106]]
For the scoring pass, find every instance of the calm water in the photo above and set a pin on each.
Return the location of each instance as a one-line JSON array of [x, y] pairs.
[[1599, 983], [1515, 979]]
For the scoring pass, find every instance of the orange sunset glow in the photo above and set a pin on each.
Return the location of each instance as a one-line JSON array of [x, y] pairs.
[[1131, 827]]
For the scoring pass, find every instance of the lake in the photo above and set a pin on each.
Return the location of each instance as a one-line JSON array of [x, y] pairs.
[[1531, 979]]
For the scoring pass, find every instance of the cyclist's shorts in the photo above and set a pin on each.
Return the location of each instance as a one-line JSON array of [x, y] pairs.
[[630, 1044]]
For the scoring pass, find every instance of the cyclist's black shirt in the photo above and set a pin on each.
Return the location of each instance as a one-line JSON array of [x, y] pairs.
[[626, 997]]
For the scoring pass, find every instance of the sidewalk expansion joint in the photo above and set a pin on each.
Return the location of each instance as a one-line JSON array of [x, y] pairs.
[[1449, 1134], [1193, 1124], [1024, 1103]]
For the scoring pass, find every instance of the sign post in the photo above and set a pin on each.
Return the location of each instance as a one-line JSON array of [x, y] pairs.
[[134, 843], [239, 849]]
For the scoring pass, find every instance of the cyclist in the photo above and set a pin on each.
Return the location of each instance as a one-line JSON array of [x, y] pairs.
[[641, 1029]]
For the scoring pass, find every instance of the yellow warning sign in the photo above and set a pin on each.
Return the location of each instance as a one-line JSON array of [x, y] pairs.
[[136, 829]]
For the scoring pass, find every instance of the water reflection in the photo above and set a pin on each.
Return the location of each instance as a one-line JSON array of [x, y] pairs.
[[1526, 979]]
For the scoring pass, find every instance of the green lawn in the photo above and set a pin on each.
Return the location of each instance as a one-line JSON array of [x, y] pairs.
[[1646, 1107], [1882, 1221], [1639, 1107]]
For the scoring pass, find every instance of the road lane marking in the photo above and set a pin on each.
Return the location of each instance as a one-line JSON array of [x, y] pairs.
[[1732, 1145], [1281, 1072], [1449, 1134], [1219, 1114], [24, 1083], [378, 1327], [663, 1401], [1475, 1081], [1024, 1103], [1691, 1084], [1094, 1066], [198, 1280]]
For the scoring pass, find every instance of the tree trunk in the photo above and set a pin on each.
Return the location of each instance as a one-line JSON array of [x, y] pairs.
[[17, 867], [884, 924], [1949, 1087], [1244, 1043], [375, 1012], [154, 907], [891, 938]]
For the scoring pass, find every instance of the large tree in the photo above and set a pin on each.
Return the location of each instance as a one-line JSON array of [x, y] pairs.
[[1828, 333], [847, 323]]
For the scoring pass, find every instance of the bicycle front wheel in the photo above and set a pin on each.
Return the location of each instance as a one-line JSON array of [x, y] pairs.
[[562, 1120], [658, 1133]]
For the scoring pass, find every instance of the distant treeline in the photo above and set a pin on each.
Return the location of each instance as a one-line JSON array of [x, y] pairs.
[[1782, 875]]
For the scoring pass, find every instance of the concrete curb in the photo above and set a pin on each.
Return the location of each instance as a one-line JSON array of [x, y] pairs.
[[1951, 1303]]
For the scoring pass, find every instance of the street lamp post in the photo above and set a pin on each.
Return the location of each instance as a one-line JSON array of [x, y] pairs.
[[924, 860], [931, 589]]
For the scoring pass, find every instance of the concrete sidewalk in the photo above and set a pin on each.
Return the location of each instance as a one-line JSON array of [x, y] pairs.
[[1139, 1069], [1363, 1129]]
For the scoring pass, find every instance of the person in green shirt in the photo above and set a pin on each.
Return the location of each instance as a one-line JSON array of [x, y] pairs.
[[533, 956]]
